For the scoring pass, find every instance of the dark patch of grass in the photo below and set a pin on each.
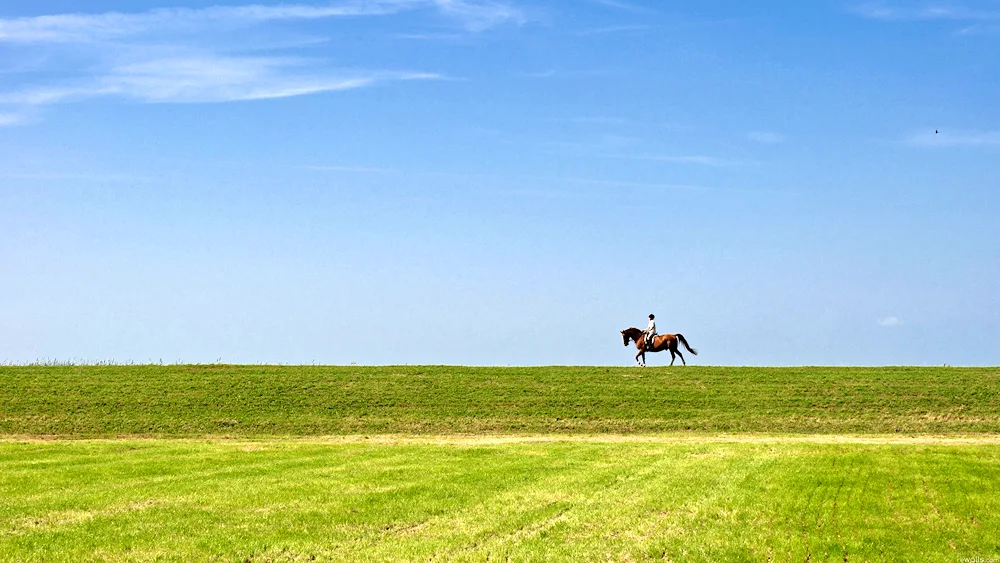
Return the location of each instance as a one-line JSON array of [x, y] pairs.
[[188, 400]]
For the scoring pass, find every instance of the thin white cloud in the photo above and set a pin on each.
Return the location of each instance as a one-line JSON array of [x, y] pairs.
[[65, 28], [208, 79], [85, 176], [567, 73], [624, 183], [12, 119], [606, 30], [953, 139], [927, 12], [53, 95], [684, 159], [588, 120], [480, 15], [624, 6], [175, 55], [430, 36], [218, 79], [980, 29], [353, 169], [650, 185], [889, 321], [766, 137]]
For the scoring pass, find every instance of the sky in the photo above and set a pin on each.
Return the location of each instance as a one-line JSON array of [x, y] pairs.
[[499, 182]]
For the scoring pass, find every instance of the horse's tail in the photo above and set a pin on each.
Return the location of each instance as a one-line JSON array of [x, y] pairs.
[[686, 345]]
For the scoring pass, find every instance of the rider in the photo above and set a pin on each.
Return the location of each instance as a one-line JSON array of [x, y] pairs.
[[650, 332]]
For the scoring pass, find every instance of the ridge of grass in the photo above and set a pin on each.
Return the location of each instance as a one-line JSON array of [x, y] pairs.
[[247, 401]]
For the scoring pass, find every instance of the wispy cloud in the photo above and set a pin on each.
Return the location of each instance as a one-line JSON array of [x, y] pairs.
[[589, 120], [352, 169], [479, 177], [980, 29], [216, 79], [206, 79], [480, 15], [765, 137], [11, 119], [569, 74], [607, 30], [83, 176], [926, 12], [889, 321], [625, 6], [684, 159], [431, 36], [626, 183], [39, 96], [632, 185], [953, 139], [542, 186], [176, 55], [63, 28]]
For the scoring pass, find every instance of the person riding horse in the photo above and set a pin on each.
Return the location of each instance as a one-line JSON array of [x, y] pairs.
[[661, 343], [650, 332]]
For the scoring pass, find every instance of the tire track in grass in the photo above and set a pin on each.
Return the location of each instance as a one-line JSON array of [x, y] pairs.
[[528, 510], [517, 503], [803, 523], [850, 477]]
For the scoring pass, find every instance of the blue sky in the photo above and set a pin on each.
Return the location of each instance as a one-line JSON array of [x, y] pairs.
[[499, 182]]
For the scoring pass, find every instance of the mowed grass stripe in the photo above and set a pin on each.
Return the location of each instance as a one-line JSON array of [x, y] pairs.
[[190, 400], [554, 501]]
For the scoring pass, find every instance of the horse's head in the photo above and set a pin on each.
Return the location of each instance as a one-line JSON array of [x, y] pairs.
[[631, 333], [625, 337]]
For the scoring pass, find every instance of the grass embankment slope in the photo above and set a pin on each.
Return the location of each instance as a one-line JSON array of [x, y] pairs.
[[307, 401], [523, 464]]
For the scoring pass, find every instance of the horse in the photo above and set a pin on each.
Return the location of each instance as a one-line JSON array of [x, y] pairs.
[[661, 342]]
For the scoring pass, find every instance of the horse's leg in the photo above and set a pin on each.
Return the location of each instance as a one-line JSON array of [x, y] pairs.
[[682, 357], [637, 357], [671, 356]]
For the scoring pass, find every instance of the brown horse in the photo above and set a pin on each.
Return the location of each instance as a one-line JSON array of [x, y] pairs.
[[661, 342]]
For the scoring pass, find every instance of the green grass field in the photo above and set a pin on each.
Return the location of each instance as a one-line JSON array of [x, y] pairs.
[[587, 500], [260, 463], [252, 401]]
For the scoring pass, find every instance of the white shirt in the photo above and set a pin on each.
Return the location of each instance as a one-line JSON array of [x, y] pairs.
[[651, 327]]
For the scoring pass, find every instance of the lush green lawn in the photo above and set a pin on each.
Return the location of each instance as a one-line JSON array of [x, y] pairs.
[[671, 499], [530, 464], [246, 401]]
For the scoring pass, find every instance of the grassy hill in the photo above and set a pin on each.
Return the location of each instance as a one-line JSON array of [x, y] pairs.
[[248, 401], [698, 475]]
